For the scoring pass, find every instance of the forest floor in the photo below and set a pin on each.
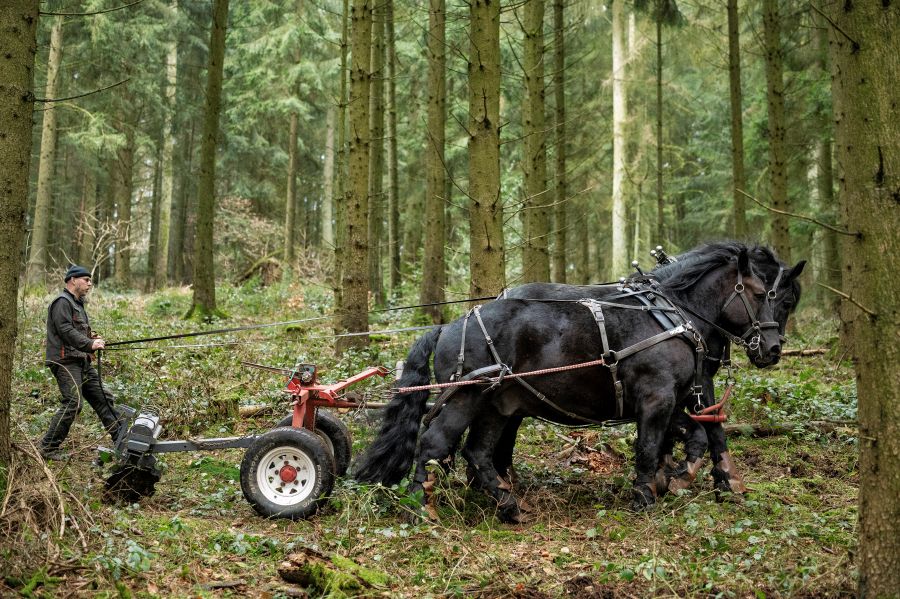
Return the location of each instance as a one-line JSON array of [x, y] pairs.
[[793, 535]]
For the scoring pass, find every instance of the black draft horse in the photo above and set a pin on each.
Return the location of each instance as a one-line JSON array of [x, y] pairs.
[[531, 335], [783, 289]]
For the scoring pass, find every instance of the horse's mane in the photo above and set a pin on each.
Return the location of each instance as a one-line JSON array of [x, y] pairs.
[[693, 265]]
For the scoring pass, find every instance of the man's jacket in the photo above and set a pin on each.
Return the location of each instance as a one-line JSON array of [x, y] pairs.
[[68, 330]]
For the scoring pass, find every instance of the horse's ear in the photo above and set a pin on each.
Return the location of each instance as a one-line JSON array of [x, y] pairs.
[[743, 261], [795, 272]]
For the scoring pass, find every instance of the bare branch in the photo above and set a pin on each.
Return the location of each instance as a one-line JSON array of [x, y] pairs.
[[848, 298], [88, 14], [96, 91], [802, 217]]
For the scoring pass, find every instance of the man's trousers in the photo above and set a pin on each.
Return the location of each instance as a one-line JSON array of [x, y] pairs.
[[78, 382]]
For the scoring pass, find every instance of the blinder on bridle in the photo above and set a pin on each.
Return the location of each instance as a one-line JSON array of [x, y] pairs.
[[753, 336]]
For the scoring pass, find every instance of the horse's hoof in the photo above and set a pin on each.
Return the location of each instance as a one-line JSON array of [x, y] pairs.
[[643, 498], [724, 482], [510, 514]]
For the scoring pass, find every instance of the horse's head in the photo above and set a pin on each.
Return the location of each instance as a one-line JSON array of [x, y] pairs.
[[749, 312], [782, 287]]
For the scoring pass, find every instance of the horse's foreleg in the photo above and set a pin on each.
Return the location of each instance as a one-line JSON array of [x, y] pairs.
[[480, 453], [653, 422], [681, 475], [726, 478]]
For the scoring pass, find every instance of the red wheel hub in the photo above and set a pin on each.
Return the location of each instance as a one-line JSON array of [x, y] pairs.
[[288, 473]]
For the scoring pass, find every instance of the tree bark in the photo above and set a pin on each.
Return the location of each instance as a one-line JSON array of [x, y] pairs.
[[620, 113], [353, 316], [737, 121], [36, 270], [203, 306], [376, 158], [486, 244], [290, 201], [536, 256], [18, 38], [774, 53], [865, 67], [168, 173], [434, 268], [561, 202]]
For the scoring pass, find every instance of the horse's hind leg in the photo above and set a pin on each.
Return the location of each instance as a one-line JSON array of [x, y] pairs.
[[479, 452], [503, 451], [440, 440]]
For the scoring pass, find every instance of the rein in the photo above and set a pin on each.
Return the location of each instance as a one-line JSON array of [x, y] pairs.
[[298, 321]]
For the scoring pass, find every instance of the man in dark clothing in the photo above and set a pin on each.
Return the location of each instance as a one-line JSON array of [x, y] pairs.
[[70, 348]]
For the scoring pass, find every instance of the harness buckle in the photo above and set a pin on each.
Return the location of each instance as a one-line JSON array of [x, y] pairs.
[[697, 391]]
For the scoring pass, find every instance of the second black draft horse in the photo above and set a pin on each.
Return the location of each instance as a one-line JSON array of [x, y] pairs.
[[528, 335], [782, 289]]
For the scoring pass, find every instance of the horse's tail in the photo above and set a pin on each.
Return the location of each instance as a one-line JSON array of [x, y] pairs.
[[389, 457]]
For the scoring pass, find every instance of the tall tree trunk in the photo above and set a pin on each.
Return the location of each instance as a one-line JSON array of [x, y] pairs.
[[290, 201], [561, 203], [414, 204], [168, 171], [40, 230], [107, 248], [774, 53], [737, 121], [536, 256], [434, 268], [203, 305], [18, 38], [620, 113], [153, 245], [865, 67], [376, 158], [354, 276], [486, 246], [830, 268], [178, 251], [341, 198], [87, 220], [327, 212], [660, 200], [123, 206], [393, 182]]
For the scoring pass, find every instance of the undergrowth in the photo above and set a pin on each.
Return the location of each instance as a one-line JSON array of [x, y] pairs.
[[794, 535]]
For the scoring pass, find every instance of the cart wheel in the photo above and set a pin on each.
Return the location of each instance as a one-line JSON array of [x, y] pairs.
[[286, 472], [336, 436]]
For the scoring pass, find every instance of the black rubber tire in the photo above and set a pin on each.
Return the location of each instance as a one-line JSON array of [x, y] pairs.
[[337, 436], [314, 468]]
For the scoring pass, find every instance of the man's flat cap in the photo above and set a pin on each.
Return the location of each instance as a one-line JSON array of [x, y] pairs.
[[76, 271]]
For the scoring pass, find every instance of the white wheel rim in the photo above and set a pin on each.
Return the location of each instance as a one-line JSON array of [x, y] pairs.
[[286, 475]]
